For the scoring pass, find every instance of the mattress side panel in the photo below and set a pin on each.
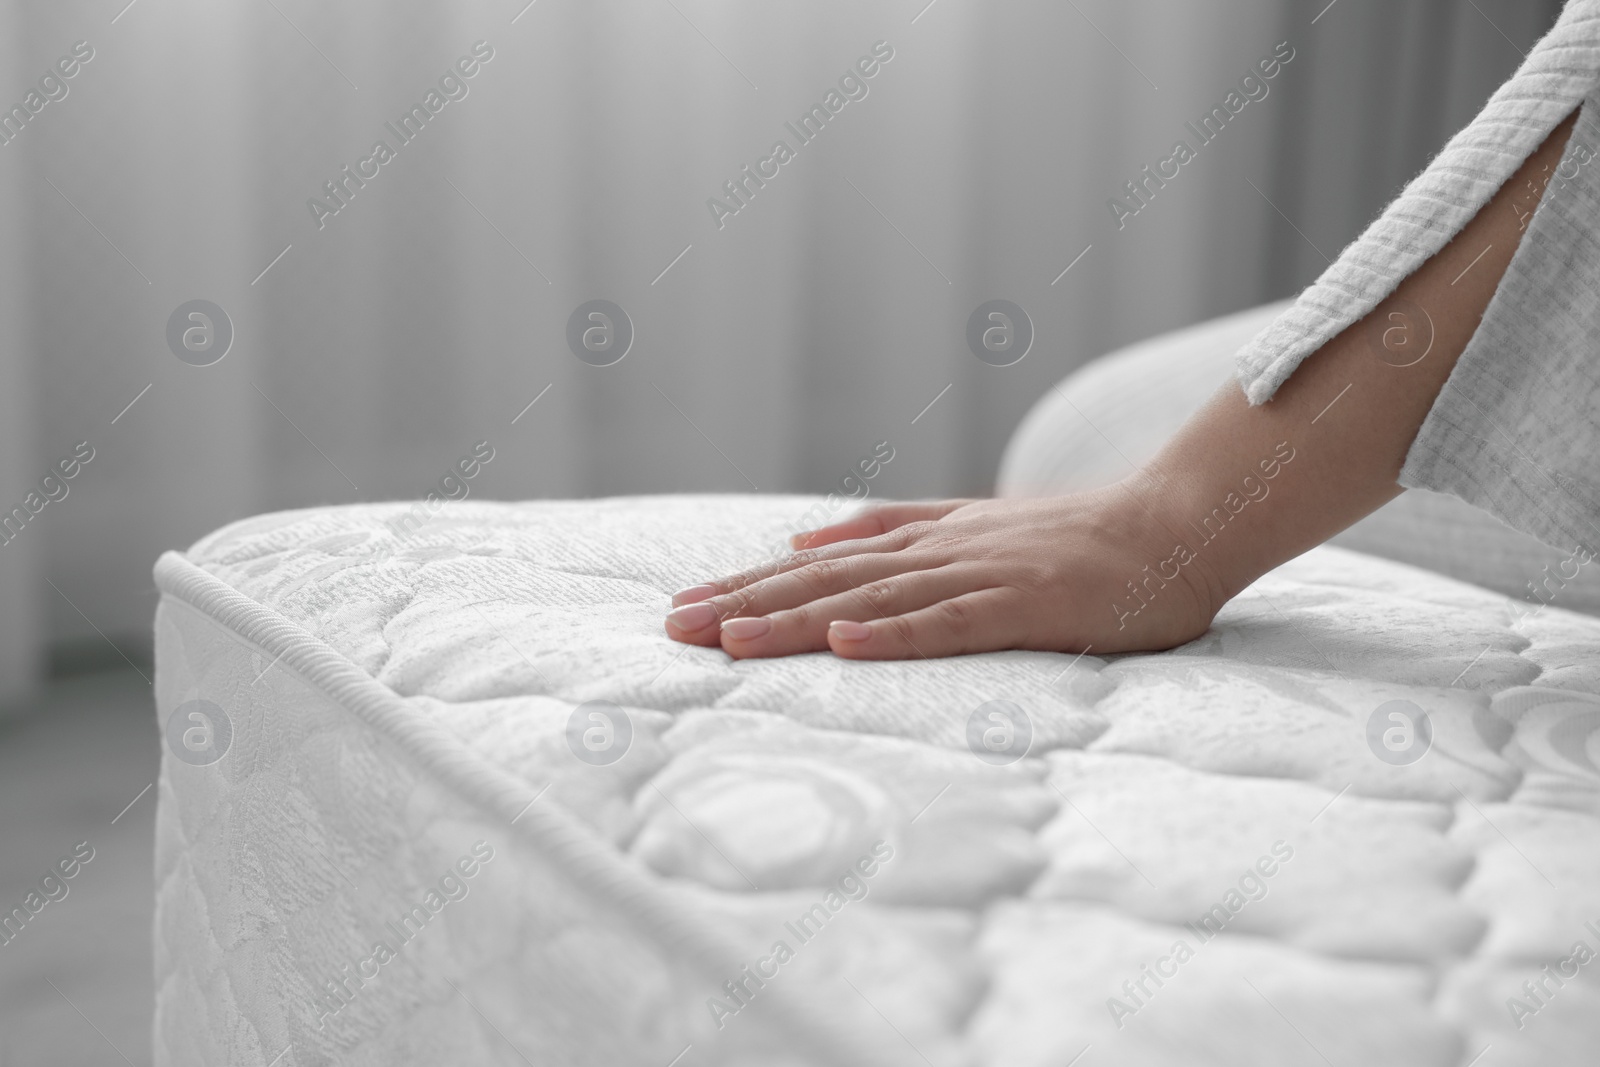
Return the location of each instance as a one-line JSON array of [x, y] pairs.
[[318, 891]]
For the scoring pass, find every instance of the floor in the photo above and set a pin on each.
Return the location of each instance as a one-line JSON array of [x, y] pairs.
[[75, 983]]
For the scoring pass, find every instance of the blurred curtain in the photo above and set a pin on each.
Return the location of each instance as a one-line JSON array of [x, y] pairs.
[[21, 633], [373, 347]]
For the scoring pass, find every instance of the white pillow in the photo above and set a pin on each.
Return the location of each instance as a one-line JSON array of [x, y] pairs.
[[1116, 411]]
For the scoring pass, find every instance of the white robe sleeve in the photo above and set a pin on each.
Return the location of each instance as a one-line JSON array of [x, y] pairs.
[[1562, 69], [1516, 428]]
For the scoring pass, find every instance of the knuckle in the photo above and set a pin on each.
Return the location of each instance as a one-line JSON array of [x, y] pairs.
[[748, 578], [803, 558], [879, 595], [828, 573], [770, 569], [957, 616], [911, 631], [912, 532], [823, 578], [737, 582], [799, 619], [1033, 577], [736, 602]]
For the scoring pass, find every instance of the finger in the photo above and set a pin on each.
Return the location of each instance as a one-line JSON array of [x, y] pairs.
[[874, 521], [979, 621], [899, 538], [697, 617], [694, 624], [805, 628], [815, 581]]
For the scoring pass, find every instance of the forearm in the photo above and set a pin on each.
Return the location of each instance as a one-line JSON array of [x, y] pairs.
[[1347, 416]]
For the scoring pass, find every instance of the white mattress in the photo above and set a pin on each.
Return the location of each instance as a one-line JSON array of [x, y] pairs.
[[400, 705]]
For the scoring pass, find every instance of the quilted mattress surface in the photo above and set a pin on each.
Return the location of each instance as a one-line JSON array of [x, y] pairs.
[[448, 794]]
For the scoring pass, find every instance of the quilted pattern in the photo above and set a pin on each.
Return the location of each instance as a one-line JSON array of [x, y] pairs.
[[1029, 908]]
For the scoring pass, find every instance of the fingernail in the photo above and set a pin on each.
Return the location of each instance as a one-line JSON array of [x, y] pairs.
[[693, 617], [845, 630], [693, 595], [746, 629], [798, 541]]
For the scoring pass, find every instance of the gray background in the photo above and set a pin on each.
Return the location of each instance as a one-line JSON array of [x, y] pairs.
[[773, 354]]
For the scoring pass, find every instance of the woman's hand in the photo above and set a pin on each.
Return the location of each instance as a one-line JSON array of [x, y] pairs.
[[903, 581], [1132, 566]]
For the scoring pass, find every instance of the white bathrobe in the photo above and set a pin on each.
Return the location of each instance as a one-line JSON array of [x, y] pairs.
[[1516, 428]]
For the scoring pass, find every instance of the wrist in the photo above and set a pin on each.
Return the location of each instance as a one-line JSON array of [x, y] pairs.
[[1195, 519]]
